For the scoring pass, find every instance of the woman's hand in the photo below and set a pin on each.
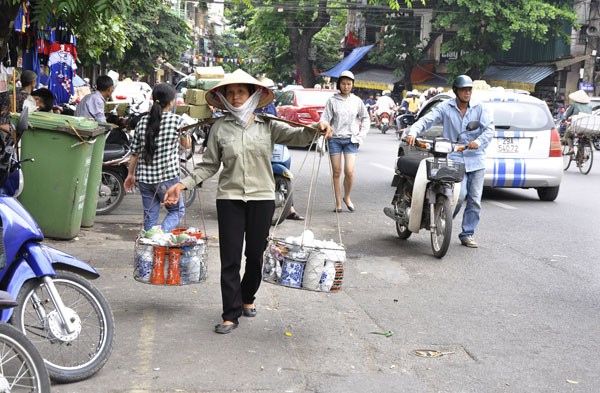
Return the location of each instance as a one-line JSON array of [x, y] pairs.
[[129, 182], [173, 194], [324, 129]]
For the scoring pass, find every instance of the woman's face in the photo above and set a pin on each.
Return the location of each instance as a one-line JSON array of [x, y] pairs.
[[346, 86], [237, 94]]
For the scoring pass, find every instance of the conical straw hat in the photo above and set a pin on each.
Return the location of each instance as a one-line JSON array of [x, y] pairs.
[[239, 77], [580, 96]]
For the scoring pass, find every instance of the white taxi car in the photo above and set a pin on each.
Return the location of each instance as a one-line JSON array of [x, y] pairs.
[[525, 151]]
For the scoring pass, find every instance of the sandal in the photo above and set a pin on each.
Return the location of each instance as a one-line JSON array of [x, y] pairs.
[[295, 216]]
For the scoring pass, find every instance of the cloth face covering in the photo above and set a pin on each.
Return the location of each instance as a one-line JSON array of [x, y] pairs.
[[242, 113]]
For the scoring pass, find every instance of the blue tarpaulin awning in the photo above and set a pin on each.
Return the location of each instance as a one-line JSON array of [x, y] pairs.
[[349, 61]]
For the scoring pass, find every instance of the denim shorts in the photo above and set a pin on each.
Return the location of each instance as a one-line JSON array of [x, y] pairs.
[[342, 145]]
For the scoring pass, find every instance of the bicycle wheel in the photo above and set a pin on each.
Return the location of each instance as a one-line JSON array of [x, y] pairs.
[[585, 156], [188, 195], [567, 157]]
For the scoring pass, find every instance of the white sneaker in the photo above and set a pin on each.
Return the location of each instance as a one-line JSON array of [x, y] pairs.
[[469, 242]]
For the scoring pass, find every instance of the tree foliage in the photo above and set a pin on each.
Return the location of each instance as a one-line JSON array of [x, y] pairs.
[[264, 34], [302, 22], [154, 31], [478, 31], [98, 24]]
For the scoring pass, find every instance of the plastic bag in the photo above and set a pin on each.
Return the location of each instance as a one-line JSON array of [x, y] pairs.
[[3, 79]]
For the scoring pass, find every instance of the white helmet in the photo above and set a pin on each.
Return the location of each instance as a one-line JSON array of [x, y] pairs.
[[346, 74], [386, 93]]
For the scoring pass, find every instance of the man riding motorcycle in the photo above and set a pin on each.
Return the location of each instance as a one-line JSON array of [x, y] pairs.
[[385, 104]]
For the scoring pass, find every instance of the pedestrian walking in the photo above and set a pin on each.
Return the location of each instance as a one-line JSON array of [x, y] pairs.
[[154, 162], [454, 115], [348, 117], [242, 143]]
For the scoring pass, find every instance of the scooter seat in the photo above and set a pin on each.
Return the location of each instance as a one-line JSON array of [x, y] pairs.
[[113, 152], [409, 165]]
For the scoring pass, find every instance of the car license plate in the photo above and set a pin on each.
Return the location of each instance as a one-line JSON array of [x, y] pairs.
[[508, 145]]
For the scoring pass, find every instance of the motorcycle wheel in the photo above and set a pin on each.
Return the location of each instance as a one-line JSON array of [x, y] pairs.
[[596, 142], [440, 236], [384, 128], [188, 195], [283, 201], [402, 230], [23, 368], [111, 191], [69, 357]]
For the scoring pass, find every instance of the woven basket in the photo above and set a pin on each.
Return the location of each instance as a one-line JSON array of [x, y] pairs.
[[170, 265], [304, 267]]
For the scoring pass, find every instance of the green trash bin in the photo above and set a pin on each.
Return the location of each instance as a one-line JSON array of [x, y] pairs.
[[93, 182], [56, 181]]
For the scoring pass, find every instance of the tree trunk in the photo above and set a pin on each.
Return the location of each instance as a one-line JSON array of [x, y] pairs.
[[300, 41]]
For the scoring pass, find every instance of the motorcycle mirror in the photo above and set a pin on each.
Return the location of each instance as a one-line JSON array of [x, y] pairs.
[[473, 125], [22, 123]]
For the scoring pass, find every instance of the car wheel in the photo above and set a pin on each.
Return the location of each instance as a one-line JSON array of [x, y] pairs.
[[548, 194]]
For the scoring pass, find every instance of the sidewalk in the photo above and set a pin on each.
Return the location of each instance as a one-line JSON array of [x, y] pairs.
[[301, 341]]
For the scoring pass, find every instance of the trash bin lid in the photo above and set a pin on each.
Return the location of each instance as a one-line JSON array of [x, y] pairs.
[[65, 123]]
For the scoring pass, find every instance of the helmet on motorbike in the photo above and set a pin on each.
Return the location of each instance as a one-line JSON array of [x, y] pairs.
[[345, 74], [462, 81]]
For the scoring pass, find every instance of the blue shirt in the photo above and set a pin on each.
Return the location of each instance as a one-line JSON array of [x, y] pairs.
[[91, 107], [455, 125]]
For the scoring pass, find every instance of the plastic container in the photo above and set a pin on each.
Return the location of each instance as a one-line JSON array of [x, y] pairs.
[[56, 182], [93, 184]]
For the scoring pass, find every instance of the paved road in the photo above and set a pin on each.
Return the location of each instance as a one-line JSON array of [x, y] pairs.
[[516, 315]]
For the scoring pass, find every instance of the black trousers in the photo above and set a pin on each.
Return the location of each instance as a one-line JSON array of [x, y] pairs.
[[239, 221]]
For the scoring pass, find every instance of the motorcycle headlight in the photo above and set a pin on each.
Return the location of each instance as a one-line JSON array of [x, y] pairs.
[[443, 146]]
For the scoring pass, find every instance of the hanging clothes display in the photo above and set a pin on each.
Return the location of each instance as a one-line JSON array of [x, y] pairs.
[[62, 68], [49, 51]]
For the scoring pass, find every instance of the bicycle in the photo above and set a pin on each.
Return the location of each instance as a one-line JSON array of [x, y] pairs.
[[582, 154]]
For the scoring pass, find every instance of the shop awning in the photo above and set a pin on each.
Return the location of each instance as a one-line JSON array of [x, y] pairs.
[[349, 61], [517, 77], [561, 64], [376, 79]]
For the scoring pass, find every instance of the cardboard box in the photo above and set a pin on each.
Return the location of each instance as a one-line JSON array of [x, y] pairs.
[[195, 97], [209, 72], [200, 111], [182, 109]]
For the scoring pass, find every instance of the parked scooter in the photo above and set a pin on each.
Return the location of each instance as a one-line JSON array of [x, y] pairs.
[[67, 318], [281, 161], [22, 367], [427, 191]]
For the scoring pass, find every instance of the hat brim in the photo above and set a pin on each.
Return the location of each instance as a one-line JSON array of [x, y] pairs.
[[239, 77], [580, 96]]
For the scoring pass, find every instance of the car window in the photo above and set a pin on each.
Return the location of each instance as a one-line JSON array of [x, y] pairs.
[[522, 116], [313, 97], [285, 99]]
